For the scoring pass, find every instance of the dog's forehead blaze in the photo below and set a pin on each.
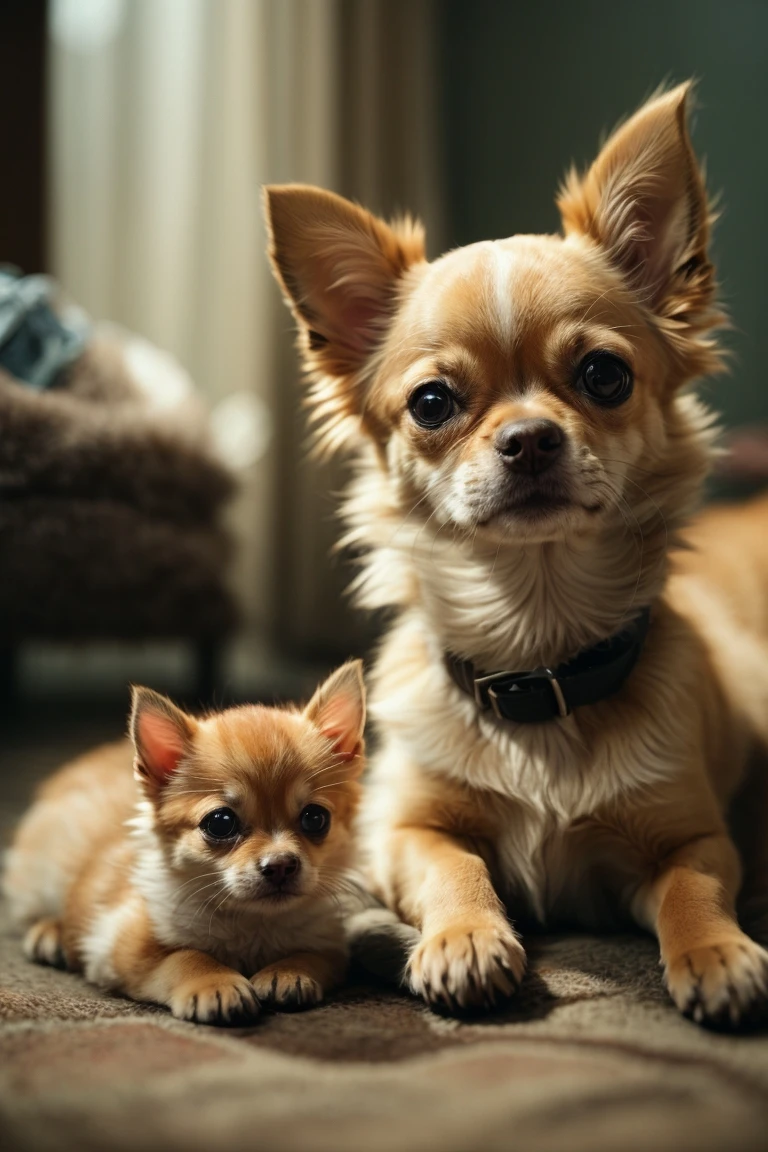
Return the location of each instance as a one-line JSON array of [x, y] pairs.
[[505, 312], [256, 758], [504, 292], [507, 322]]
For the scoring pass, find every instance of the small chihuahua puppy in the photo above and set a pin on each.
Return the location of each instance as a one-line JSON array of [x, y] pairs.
[[567, 703], [208, 880]]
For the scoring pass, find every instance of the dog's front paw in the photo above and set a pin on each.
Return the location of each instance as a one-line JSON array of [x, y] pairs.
[[722, 985], [287, 989], [466, 967], [42, 944], [217, 999]]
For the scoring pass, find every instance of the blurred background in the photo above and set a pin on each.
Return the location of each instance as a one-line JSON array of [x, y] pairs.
[[135, 136]]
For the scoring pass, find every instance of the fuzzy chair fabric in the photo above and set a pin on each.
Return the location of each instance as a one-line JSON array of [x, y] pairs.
[[100, 439], [101, 569], [111, 502]]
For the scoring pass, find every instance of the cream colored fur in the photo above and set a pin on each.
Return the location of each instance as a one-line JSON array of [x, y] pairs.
[[622, 810]]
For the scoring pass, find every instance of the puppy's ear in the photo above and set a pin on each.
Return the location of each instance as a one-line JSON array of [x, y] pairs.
[[161, 733], [644, 202], [338, 710], [339, 267]]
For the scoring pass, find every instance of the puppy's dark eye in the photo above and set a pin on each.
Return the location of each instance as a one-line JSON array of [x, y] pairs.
[[605, 378], [432, 404], [222, 824], [315, 820]]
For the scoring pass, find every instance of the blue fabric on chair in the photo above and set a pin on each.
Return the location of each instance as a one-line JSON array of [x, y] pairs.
[[37, 342]]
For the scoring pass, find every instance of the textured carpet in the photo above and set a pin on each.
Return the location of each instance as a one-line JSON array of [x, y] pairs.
[[591, 1057]]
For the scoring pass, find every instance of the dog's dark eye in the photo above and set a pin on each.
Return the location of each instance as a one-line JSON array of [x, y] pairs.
[[432, 404], [315, 820], [222, 824], [605, 378]]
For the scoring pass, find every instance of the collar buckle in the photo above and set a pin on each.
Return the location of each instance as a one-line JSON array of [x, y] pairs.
[[528, 678], [544, 694]]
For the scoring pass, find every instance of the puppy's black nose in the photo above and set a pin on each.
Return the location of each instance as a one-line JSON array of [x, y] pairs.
[[529, 445], [280, 867]]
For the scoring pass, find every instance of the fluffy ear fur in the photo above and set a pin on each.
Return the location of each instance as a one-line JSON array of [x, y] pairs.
[[644, 202], [161, 735], [338, 710], [339, 267]]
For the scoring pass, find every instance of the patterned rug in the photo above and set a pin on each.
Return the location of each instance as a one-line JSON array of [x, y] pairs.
[[591, 1057]]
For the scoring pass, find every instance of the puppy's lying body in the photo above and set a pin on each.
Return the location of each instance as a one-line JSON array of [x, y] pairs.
[[528, 458], [209, 883]]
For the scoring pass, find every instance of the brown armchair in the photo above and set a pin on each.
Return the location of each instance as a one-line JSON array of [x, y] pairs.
[[111, 504]]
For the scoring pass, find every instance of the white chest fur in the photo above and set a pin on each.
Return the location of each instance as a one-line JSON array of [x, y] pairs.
[[544, 784], [246, 939]]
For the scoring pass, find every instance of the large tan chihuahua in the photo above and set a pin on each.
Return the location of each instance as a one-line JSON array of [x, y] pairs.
[[567, 712]]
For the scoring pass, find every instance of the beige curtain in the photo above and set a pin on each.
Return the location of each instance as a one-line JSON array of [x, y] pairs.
[[166, 117]]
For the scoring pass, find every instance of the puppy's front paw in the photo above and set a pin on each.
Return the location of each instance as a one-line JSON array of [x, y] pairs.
[[723, 985], [286, 989], [466, 968], [42, 944], [217, 999]]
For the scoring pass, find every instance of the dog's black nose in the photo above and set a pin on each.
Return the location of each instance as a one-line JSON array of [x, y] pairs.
[[280, 867], [529, 445]]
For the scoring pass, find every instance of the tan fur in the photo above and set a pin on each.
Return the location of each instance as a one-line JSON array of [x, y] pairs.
[[620, 810], [115, 876]]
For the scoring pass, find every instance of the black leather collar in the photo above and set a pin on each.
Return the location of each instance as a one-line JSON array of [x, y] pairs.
[[548, 693]]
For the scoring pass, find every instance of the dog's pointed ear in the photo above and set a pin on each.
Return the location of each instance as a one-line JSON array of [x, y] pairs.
[[644, 202], [339, 268], [161, 733], [338, 710]]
